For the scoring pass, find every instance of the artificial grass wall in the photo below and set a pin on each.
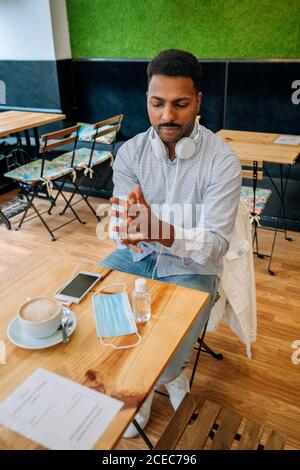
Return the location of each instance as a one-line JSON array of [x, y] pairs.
[[208, 28]]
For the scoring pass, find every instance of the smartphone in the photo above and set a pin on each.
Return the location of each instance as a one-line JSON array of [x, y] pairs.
[[77, 287]]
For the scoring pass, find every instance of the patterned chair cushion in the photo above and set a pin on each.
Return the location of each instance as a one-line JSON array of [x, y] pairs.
[[82, 158], [86, 133], [31, 172], [261, 198]]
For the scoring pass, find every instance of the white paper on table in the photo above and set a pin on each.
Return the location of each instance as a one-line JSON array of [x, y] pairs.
[[288, 139], [58, 413]]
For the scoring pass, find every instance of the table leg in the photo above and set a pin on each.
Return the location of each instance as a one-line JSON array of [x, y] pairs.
[[142, 434], [281, 194], [28, 144], [283, 191], [37, 141]]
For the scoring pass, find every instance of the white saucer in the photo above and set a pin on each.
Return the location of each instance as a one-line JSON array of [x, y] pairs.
[[18, 337]]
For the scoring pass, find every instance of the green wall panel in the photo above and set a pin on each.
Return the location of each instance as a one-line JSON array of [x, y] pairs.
[[208, 28]]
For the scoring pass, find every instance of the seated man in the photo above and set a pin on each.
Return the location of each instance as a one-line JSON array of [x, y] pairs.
[[176, 168]]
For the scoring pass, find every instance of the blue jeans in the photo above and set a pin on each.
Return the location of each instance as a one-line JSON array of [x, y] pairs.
[[121, 260]]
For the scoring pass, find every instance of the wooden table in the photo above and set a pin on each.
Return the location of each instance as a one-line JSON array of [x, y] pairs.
[[18, 121], [127, 375], [259, 147], [14, 122]]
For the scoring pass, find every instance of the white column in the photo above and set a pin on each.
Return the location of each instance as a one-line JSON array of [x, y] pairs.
[[26, 30], [60, 29], [34, 30]]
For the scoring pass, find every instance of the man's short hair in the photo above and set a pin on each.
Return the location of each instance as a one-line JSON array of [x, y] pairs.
[[175, 63]]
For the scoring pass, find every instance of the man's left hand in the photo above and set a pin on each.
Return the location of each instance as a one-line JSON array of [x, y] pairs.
[[139, 223]]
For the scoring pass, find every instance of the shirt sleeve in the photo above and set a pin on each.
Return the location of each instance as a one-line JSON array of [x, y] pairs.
[[209, 240], [124, 177], [125, 181]]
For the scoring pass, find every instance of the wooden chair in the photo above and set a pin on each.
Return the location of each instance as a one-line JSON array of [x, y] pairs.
[[255, 199], [39, 177], [112, 124], [201, 423], [88, 160]]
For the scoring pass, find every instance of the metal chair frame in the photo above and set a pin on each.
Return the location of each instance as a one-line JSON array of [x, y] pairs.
[[116, 124], [256, 173], [31, 190]]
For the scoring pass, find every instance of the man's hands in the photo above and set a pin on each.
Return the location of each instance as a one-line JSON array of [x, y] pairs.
[[139, 223]]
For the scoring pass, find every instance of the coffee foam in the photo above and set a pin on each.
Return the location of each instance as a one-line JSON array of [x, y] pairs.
[[39, 310]]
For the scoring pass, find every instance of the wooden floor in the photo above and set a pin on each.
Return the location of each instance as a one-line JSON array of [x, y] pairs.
[[265, 388]]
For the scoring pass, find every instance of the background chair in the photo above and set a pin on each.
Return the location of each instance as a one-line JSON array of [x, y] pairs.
[[235, 303], [10, 209], [87, 161], [107, 139], [255, 199], [41, 176]]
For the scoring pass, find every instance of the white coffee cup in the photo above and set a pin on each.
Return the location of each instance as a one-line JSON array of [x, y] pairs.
[[40, 317]]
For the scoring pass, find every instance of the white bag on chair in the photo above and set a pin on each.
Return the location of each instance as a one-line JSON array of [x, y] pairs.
[[237, 302]]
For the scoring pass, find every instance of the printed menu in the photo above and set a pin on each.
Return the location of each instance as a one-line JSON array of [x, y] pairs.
[[58, 413]]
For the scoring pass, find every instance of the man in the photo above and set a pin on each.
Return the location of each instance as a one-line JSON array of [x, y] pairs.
[[175, 162]]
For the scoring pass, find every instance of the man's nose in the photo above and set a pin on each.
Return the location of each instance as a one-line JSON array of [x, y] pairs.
[[169, 114]]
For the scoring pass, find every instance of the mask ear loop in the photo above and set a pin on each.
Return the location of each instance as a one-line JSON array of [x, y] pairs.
[[123, 347], [112, 285], [136, 332]]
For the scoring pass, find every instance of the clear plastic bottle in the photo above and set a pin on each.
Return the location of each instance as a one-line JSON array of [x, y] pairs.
[[141, 301]]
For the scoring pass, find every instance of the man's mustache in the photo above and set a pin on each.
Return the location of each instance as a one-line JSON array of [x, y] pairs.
[[168, 124]]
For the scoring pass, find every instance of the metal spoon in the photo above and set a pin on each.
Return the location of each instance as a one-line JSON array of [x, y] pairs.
[[66, 325]]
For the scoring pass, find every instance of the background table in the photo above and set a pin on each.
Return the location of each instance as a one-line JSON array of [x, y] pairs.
[[18, 121], [14, 122], [127, 375], [259, 147]]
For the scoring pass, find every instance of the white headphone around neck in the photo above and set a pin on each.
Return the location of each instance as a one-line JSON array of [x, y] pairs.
[[184, 149]]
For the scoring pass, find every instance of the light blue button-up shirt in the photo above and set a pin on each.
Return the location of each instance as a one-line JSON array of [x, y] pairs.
[[210, 179]]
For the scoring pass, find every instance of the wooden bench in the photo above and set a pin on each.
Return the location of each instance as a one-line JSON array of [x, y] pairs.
[[201, 423]]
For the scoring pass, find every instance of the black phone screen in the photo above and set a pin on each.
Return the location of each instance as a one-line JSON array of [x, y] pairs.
[[79, 285]]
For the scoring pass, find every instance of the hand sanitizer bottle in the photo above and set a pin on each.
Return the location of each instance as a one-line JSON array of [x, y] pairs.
[[141, 301]]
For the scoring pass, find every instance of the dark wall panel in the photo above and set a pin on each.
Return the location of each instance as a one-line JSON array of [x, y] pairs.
[[104, 88], [259, 97], [213, 80], [31, 84], [66, 87]]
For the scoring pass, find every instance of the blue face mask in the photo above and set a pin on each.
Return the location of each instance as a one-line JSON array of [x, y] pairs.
[[114, 317]]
